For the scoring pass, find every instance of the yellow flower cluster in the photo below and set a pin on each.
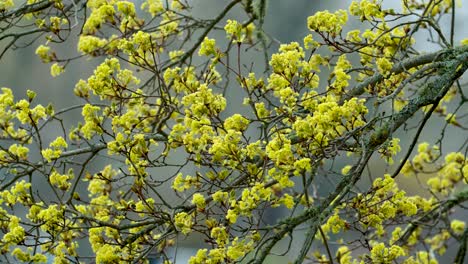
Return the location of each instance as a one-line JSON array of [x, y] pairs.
[[343, 255], [56, 23], [398, 233], [220, 196], [90, 44], [380, 253], [154, 7], [329, 119], [9, 111], [49, 217], [282, 90], [288, 64], [441, 7], [236, 32], [203, 102], [108, 79], [225, 253], [101, 209], [341, 77], [310, 43], [144, 207], [193, 134], [181, 184], [457, 226], [302, 165], [61, 180], [288, 60], [14, 235], [250, 199], [353, 36], [92, 119], [44, 53], [199, 200], [18, 151], [383, 42], [6, 4], [236, 122], [208, 47], [261, 110], [334, 224], [390, 149], [425, 155], [62, 250], [387, 202], [101, 12], [26, 115], [183, 221], [367, 10], [422, 257], [279, 150], [140, 47], [220, 235], [287, 200], [28, 256], [108, 254], [56, 69], [169, 24], [233, 30], [324, 21], [55, 149], [138, 119], [126, 8], [100, 182], [19, 193], [104, 243], [451, 173], [438, 242]]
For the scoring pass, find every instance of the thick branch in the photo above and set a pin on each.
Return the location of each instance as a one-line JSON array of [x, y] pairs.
[[455, 66], [26, 9], [460, 258], [431, 93], [403, 66]]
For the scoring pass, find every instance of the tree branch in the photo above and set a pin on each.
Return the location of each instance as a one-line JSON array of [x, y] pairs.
[[443, 208], [456, 64], [403, 66], [26, 9]]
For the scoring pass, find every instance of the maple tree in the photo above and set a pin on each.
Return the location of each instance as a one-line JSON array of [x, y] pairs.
[[339, 95]]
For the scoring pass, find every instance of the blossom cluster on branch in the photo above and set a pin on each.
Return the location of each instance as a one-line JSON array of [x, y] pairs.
[[327, 106]]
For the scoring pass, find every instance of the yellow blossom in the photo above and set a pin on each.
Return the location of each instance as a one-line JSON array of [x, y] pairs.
[[183, 222], [207, 47], [154, 7], [6, 4], [328, 22], [457, 226], [44, 53], [199, 200]]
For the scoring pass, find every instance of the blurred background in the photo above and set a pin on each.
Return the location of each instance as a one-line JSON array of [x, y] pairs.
[[285, 21]]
